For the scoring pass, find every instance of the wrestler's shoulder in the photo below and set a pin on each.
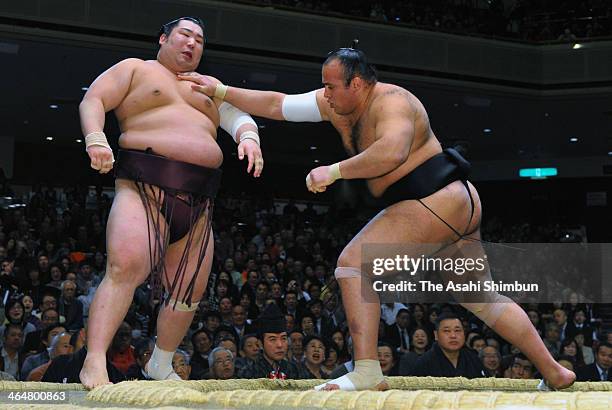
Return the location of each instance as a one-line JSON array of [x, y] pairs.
[[387, 91], [390, 95]]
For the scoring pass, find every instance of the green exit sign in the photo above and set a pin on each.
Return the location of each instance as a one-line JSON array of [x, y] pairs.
[[537, 173]]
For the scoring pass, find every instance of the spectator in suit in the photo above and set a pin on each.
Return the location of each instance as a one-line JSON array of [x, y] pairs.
[[552, 338], [11, 360], [240, 323], [579, 324], [560, 318], [34, 341], [398, 334], [600, 370], [70, 307], [202, 341], [322, 325], [449, 357], [296, 346]]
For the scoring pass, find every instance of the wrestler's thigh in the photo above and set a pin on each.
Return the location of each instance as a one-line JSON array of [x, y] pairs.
[[127, 235], [175, 254], [409, 222]]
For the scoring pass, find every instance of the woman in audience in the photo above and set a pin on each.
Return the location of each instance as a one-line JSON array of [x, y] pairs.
[[388, 358], [314, 356]]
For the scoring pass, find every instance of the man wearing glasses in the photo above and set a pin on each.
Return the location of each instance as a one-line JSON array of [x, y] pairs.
[[167, 177], [386, 132]]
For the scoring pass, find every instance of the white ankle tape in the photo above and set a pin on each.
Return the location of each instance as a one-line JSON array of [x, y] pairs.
[[367, 375], [183, 307], [347, 272]]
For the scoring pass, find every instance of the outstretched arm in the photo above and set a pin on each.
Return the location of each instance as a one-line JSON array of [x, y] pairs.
[[104, 94], [308, 107]]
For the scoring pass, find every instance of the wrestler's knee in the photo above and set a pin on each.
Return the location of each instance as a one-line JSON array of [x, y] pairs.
[[491, 310], [349, 257], [126, 272]]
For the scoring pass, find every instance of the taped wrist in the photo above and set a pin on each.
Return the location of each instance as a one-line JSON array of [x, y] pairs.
[[334, 171], [220, 91], [250, 135], [97, 138]]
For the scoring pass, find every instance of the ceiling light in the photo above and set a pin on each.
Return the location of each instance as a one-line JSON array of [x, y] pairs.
[[577, 46], [49, 138], [84, 88], [313, 148], [54, 106], [487, 130], [610, 153], [79, 140], [573, 139], [316, 161]]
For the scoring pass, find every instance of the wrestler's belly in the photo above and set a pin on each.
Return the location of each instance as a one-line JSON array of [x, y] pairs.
[[177, 135]]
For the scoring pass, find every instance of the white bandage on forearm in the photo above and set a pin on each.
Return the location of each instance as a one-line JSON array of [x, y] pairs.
[[301, 108], [250, 135], [232, 119], [97, 138]]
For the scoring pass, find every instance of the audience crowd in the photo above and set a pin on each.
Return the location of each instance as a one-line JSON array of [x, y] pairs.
[[272, 307], [528, 20]]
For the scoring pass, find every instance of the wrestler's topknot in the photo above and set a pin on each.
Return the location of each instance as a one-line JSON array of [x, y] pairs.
[[355, 64]]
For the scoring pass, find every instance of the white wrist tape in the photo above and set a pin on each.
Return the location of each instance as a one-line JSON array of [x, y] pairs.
[[232, 119], [97, 138], [301, 108], [334, 171], [220, 91], [250, 135]]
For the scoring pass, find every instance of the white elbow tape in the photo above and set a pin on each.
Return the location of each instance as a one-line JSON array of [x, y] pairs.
[[232, 119], [301, 108]]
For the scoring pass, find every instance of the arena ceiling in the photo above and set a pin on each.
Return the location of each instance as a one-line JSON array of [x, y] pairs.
[[44, 75]]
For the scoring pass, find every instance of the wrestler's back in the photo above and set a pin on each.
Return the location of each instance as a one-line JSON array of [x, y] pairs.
[[424, 142], [167, 115]]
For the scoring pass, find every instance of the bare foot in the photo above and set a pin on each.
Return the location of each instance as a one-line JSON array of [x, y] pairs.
[[93, 373], [382, 386], [561, 379]]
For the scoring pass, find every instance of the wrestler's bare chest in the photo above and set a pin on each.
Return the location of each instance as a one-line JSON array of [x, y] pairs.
[[154, 88], [357, 135]]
